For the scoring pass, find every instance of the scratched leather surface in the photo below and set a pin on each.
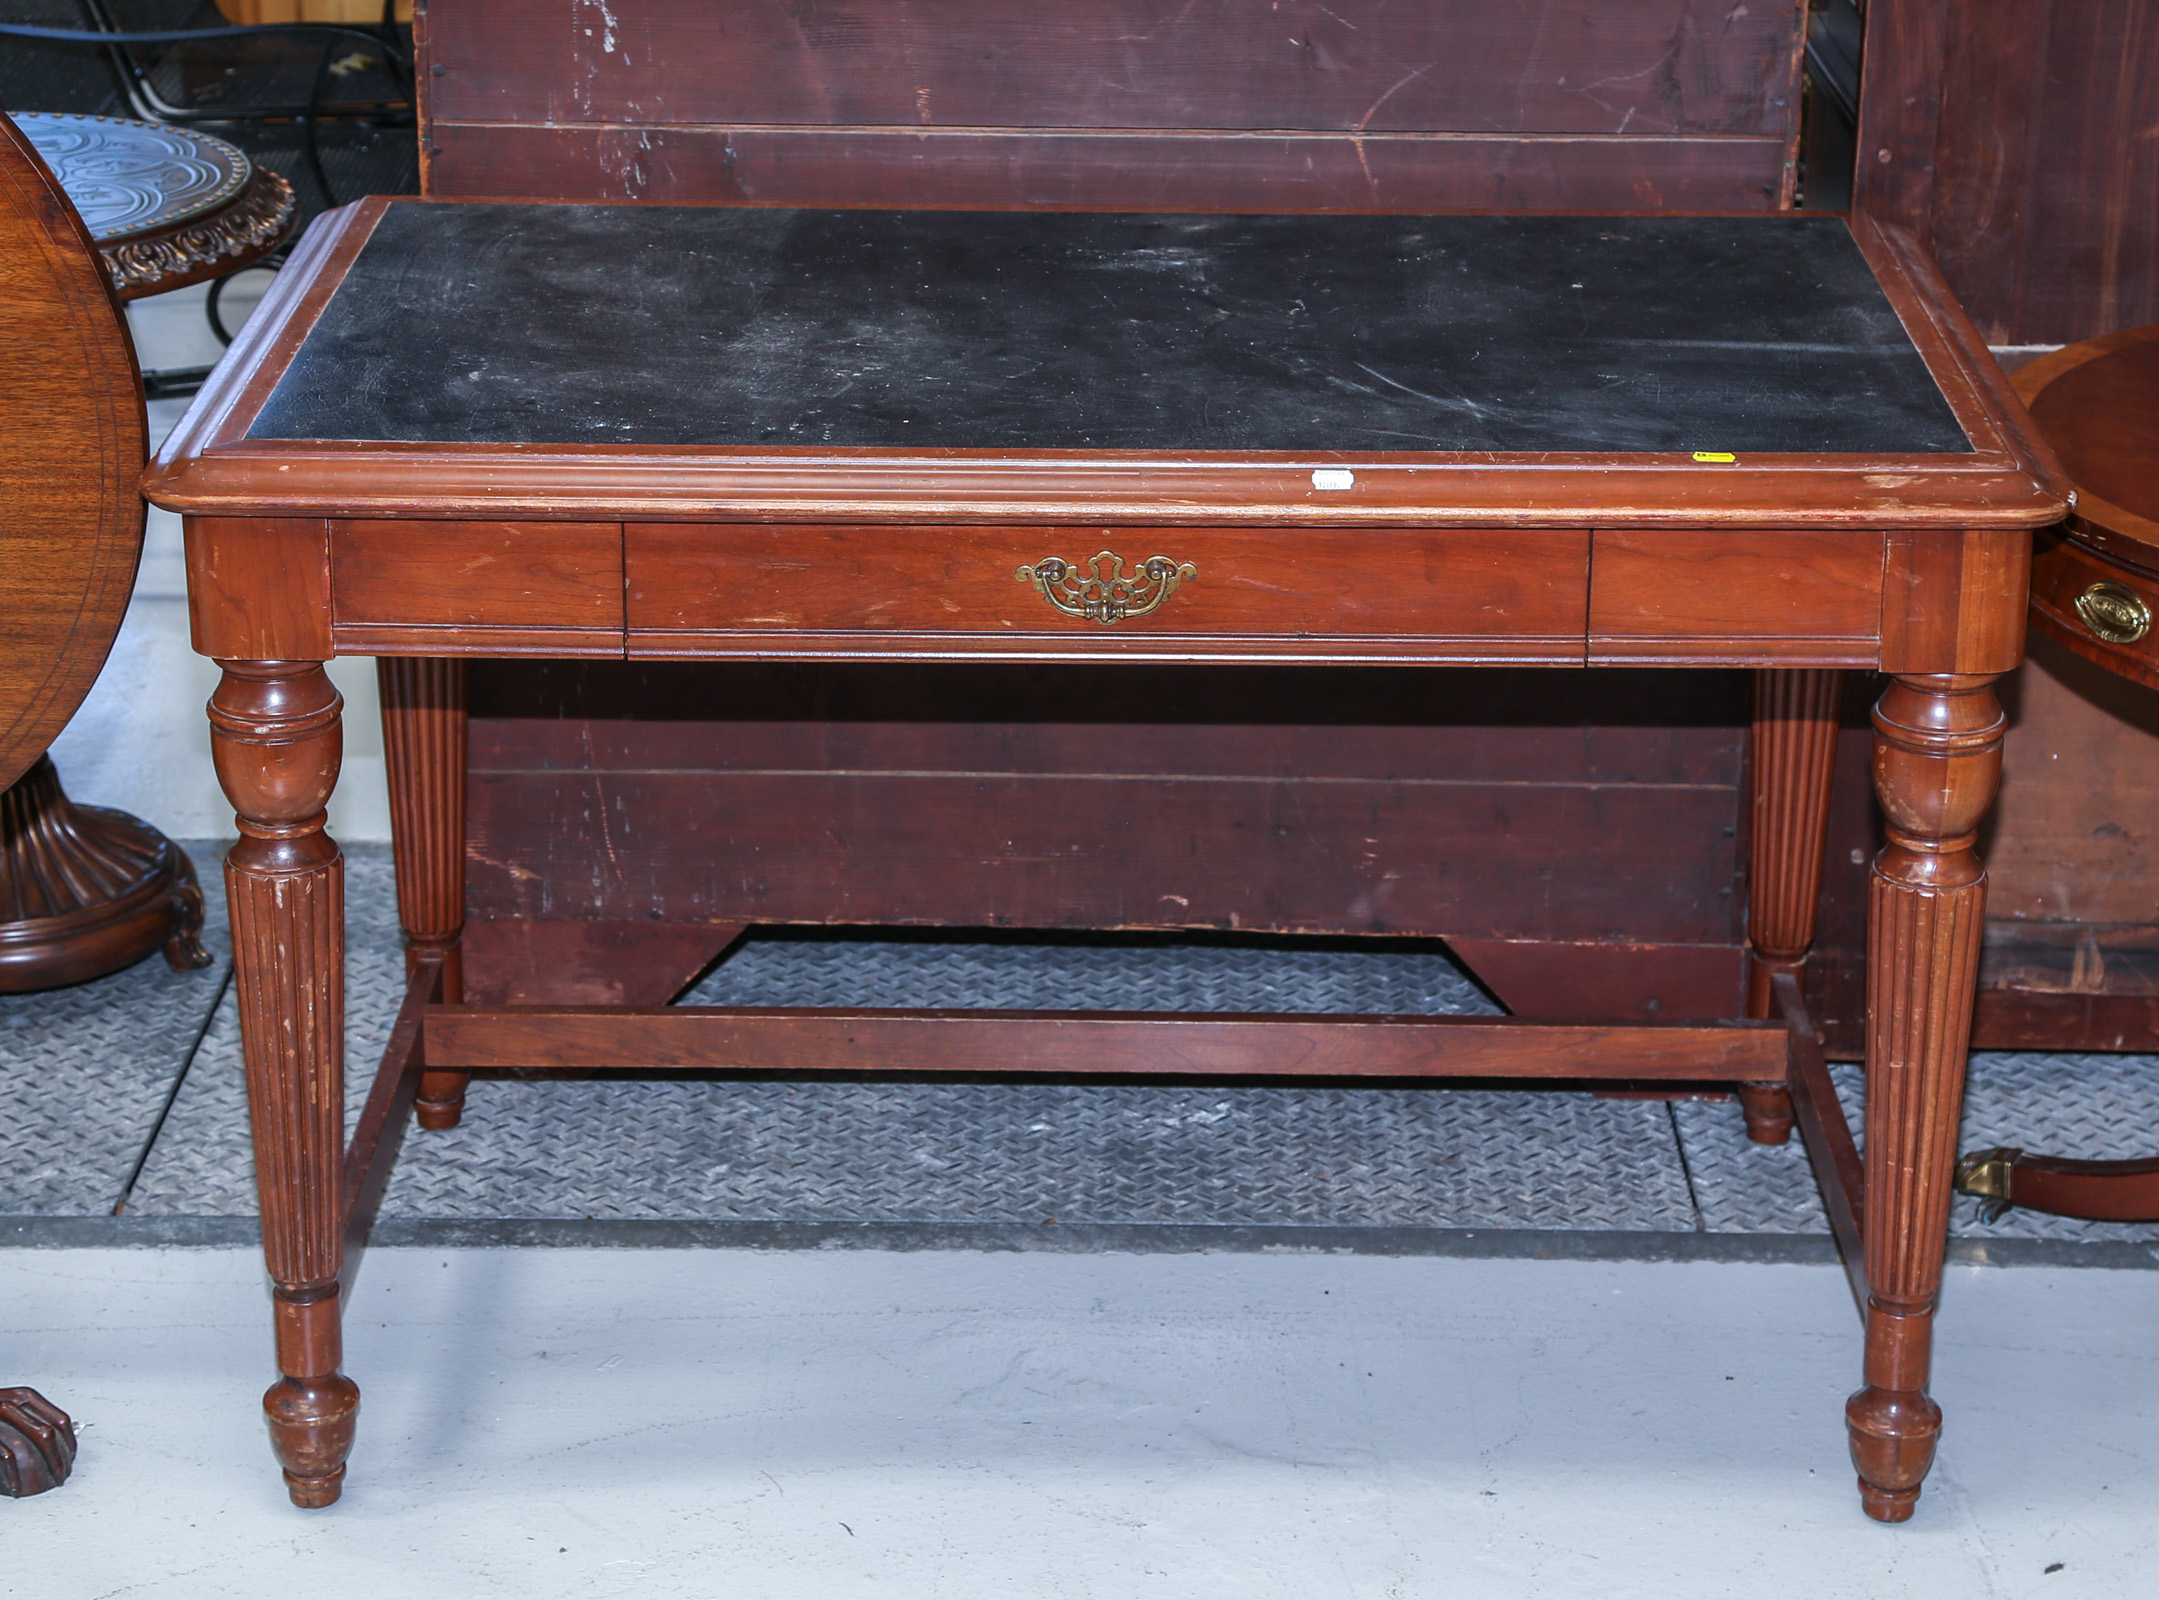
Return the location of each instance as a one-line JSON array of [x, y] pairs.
[[735, 326]]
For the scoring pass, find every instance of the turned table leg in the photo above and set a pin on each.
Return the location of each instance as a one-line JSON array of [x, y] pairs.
[[1791, 754], [423, 740], [277, 740], [1937, 762]]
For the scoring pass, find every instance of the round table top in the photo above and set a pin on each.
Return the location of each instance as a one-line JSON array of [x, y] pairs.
[[2097, 403], [127, 177]]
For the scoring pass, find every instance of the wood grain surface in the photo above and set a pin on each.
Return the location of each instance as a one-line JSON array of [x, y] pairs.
[[1997, 135], [1807, 597], [1278, 105], [1083, 1044], [774, 591], [1504, 804], [513, 587], [71, 448]]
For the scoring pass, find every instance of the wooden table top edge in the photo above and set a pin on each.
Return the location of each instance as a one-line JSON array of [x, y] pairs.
[[208, 466]]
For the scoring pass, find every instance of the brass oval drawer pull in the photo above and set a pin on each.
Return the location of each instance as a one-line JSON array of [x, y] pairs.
[[1101, 591], [2114, 612]]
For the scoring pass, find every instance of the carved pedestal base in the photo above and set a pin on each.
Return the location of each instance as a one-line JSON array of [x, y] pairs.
[[85, 891]]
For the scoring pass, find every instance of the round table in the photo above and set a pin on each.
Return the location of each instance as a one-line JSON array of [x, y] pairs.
[[84, 890], [2095, 590], [167, 207]]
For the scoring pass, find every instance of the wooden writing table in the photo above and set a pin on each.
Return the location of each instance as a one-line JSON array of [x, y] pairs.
[[645, 432]]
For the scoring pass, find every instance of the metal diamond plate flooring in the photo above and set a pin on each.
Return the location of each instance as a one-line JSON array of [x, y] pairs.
[[1027, 1153], [87, 1071]]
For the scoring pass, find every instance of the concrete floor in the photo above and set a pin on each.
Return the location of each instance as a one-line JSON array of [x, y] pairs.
[[819, 1424]]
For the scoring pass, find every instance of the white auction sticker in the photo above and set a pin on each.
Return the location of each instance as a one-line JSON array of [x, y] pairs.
[[1333, 478]]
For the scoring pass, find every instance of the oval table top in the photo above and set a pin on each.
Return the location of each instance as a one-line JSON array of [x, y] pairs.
[[2095, 579], [2098, 405]]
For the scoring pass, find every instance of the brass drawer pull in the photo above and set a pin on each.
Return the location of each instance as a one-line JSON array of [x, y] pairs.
[[1101, 591], [2114, 612]]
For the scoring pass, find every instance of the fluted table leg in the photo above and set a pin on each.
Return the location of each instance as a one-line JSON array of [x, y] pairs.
[[277, 740], [1791, 756], [423, 739], [1937, 763]]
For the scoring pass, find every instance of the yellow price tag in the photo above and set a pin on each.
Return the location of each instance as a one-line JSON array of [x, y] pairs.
[[1714, 455]]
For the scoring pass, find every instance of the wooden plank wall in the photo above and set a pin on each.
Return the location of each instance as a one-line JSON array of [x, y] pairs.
[[1582, 828], [2021, 141], [1279, 105]]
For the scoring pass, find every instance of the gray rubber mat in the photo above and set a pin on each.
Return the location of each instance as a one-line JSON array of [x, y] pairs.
[[632, 1149], [87, 1071], [201, 1164], [2098, 1107], [626, 1148]]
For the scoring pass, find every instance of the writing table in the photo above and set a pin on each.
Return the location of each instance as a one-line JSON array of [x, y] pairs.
[[738, 434]]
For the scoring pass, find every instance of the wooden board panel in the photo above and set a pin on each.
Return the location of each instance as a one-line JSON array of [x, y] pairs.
[[1941, 600], [904, 789], [1564, 981], [1065, 743], [1110, 172], [2075, 835], [780, 589], [2004, 132], [510, 962], [1496, 861], [1799, 595], [1357, 66], [258, 589], [1074, 1044], [546, 585]]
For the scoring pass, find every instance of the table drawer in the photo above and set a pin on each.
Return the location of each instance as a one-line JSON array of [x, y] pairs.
[[1748, 595], [1287, 593], [2101, 609], [552, 588]]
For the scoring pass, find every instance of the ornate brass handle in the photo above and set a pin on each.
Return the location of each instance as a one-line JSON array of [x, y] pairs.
[[2114, 612], [1101, 591]]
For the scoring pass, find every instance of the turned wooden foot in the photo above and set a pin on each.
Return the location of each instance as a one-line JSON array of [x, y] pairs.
[[1894, 1424], [85, 891], [423, 738], [1791, 755], [37, 1444], [277, 740], [1937, 761], [1768, 1110], [311, 1426]]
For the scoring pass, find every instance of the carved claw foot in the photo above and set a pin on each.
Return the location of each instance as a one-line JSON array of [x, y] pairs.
[[37, 1443], [311, 1424], [183, 948]]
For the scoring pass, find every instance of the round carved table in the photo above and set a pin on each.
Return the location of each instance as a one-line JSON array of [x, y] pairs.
[[2095, 589], [167, 207], [85, 891]]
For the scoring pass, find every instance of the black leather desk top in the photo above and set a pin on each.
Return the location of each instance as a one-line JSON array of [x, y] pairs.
[[702, 326]]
